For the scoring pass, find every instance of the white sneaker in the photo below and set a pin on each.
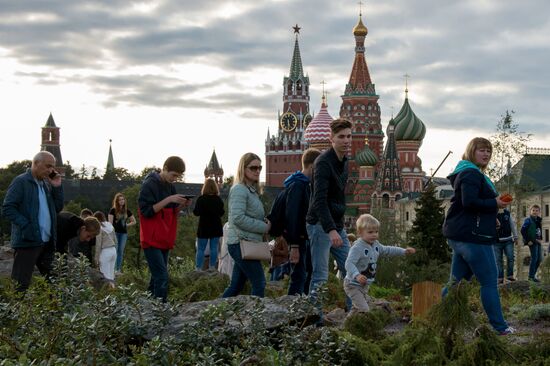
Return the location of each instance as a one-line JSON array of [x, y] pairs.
[[507, 331]]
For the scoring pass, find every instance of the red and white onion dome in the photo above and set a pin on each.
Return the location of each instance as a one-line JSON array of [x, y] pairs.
[[317, 133]]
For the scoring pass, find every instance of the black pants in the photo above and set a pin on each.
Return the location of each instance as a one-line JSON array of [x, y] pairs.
[[26, 258]]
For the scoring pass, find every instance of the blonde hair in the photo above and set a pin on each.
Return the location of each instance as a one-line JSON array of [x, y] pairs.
[[475, 144], [210, 187], [366, 221], [92, 225], [241, 170]]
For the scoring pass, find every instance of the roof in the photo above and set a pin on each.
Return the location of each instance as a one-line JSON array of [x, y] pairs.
[[50, 122], [532, 172], [407, 125], [296, 69], [318, 129]]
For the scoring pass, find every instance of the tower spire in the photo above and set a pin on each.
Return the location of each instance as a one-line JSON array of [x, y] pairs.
[[110, 160], [296, 69]]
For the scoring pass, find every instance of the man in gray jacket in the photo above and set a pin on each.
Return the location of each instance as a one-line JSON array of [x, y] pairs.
[[31, 204]]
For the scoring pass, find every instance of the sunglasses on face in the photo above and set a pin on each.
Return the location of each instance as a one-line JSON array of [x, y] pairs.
[[255, 168]]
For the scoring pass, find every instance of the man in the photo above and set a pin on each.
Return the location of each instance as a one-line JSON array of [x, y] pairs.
[[159, 206], [31, 204], [295, 233], [507, 237], [325, 217]]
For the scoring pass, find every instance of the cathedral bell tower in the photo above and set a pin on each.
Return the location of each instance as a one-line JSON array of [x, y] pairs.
[[284, 151]]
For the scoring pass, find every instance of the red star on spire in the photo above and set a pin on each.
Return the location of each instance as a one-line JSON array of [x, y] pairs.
[[296, 28]]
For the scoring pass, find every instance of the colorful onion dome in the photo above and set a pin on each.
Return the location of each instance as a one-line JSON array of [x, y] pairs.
[[407, 125], [366, 157], [360, 29], [318, 130]]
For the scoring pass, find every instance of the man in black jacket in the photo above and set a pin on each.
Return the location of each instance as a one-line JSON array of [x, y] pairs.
[[325, 217]]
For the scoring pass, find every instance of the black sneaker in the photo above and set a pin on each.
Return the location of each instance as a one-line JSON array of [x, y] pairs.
[[511, 279], [533, 279]]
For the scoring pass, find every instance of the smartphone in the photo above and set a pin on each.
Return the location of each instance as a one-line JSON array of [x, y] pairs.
[[188, 196], [53, 174]]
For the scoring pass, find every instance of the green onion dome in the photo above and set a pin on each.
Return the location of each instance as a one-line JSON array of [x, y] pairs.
[[366, 157], [407, 125]]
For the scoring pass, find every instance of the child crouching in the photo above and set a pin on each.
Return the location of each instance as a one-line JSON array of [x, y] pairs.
[[361, 261]]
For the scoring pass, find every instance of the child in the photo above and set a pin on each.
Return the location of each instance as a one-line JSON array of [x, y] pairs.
[[531, 231], [105, 247], [361, 261]]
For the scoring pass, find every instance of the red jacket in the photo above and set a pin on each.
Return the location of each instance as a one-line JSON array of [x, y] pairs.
[[160, 230]]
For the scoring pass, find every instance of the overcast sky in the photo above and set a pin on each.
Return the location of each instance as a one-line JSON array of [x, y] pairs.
[[165, 78]]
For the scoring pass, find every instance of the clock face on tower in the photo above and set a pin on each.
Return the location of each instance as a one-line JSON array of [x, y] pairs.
[[307, 120], [289, 121]]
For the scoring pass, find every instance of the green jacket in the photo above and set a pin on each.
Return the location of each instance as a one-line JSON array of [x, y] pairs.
[[246, 215]]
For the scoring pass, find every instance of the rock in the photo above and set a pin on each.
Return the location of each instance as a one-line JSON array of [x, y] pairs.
[[273, 312], [523, 287]]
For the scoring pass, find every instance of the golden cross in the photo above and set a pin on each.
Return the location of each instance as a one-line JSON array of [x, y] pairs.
[[406, 76], [360, 8], [323, 83]]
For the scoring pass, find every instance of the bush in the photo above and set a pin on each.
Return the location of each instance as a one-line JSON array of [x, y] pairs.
[[367, 325]]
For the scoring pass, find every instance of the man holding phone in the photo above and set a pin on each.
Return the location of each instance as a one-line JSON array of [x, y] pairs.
[[31, 204], [159, 206]]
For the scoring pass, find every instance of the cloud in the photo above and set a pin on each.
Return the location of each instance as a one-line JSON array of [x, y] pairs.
[[469, 60]]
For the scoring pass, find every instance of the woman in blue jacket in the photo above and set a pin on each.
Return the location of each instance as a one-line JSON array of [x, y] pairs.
[[246, 221], [470, 227]]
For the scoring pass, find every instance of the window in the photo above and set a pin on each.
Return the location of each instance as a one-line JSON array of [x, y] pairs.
[[546, 211], [524, 211], [546, 236], [406, 215]]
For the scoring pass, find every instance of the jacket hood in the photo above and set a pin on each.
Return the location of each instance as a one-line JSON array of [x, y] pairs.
[[298, 176], [154, 175], [107, 226], [464, 165]]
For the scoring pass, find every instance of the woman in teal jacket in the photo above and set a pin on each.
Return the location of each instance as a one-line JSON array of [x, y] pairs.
[[246, 221]]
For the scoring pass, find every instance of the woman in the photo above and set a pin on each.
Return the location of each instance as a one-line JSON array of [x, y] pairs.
[[246, 221], [209, 208], [470, 227], [105, 247], [120, 217]]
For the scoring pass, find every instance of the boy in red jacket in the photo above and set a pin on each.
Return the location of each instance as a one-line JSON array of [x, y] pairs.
[[159, 205]]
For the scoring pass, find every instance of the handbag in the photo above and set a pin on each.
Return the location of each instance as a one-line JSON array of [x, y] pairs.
[[255, 250]]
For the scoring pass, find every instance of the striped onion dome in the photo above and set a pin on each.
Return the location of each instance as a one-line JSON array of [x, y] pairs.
[[407, 125], [366, 157], [318, 130]]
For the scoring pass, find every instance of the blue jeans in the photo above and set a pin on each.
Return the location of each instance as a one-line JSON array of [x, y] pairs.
[[278, 273], [320, 249], [471, 259], [121, 239], [243, 270], [298, 272], [157, 260], [201, 246], [536, 259], [506, 248]]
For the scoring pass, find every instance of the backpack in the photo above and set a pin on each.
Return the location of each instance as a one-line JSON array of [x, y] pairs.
[[505, 230], [278, 213]]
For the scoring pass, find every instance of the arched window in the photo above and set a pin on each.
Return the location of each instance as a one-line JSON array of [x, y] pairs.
[[385, 200]]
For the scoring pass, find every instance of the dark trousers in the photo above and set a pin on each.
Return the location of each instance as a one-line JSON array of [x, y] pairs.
[[26, 258], [536, 258], [244, 269], [298, 272], [157, 260]]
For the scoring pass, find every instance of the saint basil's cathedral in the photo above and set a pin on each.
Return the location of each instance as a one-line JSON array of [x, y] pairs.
[[378, 174]]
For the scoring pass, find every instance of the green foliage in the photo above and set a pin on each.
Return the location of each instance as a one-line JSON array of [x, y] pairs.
[[73, 207], [486, 349], [418, 345], [509, 144], [536, 312], [544, 270], [7, 174], [380, 292], [452, 315], [367, 325], [426, 235]]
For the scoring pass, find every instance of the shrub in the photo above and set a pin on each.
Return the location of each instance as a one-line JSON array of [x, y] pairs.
[[367, 325]]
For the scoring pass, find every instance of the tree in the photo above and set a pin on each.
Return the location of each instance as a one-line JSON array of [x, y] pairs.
[[7, 174], [426, 235], [509, 144], [69, 171], [83, 173], [119, 174]]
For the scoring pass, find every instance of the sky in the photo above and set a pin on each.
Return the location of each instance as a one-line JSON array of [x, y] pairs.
[[185, 77]]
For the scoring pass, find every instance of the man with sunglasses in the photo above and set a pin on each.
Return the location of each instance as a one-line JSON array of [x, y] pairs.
[[325, 217]]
